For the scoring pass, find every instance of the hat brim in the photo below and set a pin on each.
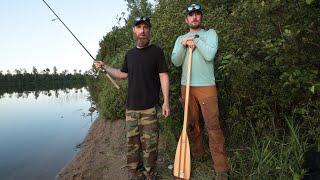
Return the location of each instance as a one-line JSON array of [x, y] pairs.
[[142, 21], [194, 10]]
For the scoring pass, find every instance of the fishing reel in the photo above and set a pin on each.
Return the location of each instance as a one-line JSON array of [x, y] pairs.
[[95, 73]]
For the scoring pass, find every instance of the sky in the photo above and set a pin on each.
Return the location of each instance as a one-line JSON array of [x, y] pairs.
[[29, 36]]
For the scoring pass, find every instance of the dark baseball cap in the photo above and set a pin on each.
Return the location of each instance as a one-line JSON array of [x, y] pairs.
[[141, 19], [194, 7]]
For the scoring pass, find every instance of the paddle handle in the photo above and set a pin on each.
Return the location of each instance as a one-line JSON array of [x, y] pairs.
[[186, 104]]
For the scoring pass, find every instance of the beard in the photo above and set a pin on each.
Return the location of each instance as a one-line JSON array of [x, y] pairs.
[[141, 41], [194, 25]]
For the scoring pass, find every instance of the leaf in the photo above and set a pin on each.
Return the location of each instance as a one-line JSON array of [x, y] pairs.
[[309, 2], [312, 89], [228, 56], [296, 176]]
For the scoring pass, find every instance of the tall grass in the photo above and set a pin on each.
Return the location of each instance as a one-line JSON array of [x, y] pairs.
[[269, 157]]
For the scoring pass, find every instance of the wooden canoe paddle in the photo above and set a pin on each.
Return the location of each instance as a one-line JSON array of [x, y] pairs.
[[182, 160]]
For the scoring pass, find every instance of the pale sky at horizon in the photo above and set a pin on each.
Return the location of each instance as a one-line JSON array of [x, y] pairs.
[[29, 37]]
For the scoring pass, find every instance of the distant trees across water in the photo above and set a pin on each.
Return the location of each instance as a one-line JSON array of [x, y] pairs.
[[21, 80]]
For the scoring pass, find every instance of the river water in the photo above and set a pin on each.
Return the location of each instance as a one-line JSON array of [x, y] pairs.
[[39, 131]]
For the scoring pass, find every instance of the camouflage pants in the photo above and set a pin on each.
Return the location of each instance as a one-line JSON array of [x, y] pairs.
[[142, 129]]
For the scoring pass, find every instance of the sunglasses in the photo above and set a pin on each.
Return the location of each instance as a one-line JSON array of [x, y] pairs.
[[141, 18], [194, 7]]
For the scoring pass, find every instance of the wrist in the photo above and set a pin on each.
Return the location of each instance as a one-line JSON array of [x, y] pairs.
[[105, 67]]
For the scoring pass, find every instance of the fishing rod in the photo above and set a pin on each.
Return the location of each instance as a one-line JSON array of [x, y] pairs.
[[110, 78]]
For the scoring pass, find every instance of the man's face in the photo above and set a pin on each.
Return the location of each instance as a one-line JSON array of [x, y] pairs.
[[141, 34], [194, 19]]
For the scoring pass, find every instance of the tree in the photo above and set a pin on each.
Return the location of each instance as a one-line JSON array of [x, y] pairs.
[[64, 72], [34, 70], [139, 8], [47, 70], [55, 70], [17, 71]]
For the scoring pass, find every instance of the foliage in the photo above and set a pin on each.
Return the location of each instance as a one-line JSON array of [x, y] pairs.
[[267, 71]]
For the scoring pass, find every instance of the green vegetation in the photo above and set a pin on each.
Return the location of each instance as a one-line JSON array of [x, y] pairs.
[[21, 80], [267, 71]]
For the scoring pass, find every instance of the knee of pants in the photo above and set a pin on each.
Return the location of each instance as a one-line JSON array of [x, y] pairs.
[[132, 129], [210, 112], [149, 141], [133, 147], [216, 137], [149, 136]]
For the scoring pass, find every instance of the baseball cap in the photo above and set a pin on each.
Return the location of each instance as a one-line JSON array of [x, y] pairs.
[[194, 7], [141, 19]]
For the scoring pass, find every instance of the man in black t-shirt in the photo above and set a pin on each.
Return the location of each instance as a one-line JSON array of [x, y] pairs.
[[146, 70]]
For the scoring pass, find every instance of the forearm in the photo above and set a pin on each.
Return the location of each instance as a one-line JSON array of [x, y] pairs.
[[178, 53], [209, 47], [116, 73], [206, 50], [164, 80]]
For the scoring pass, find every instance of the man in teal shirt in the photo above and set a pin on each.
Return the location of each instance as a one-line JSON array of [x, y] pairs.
[[203, 92]]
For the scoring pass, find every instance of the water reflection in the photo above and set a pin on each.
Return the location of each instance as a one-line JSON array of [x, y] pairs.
[[39, 131], [36, 94]]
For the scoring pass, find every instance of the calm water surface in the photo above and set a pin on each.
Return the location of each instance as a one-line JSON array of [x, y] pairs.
[[39, 132]]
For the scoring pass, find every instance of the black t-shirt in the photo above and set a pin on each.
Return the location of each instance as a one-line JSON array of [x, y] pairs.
[[143, 67]]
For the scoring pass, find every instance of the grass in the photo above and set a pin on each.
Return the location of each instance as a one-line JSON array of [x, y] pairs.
[[270, 157]]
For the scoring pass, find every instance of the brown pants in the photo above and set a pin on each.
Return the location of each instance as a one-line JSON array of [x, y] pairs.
[[205, 99]]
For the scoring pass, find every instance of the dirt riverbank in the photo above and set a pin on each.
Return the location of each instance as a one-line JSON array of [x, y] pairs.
[[102, 155]]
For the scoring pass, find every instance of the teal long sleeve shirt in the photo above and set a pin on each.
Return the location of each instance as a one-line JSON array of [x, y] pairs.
[[202, 69]]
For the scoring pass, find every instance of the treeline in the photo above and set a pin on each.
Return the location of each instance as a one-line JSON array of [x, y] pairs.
[[21, 93], [267, 71], [21, 80]]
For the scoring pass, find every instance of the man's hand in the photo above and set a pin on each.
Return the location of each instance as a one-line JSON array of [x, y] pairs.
[[185, 40], [98, 64], [165, 110], [191, 44], [188, 42]]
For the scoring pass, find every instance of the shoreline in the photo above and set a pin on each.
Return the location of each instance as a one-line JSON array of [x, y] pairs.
[[101, 154]]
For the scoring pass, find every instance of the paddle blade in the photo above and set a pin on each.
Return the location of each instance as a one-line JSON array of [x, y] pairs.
[[182, 160]]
